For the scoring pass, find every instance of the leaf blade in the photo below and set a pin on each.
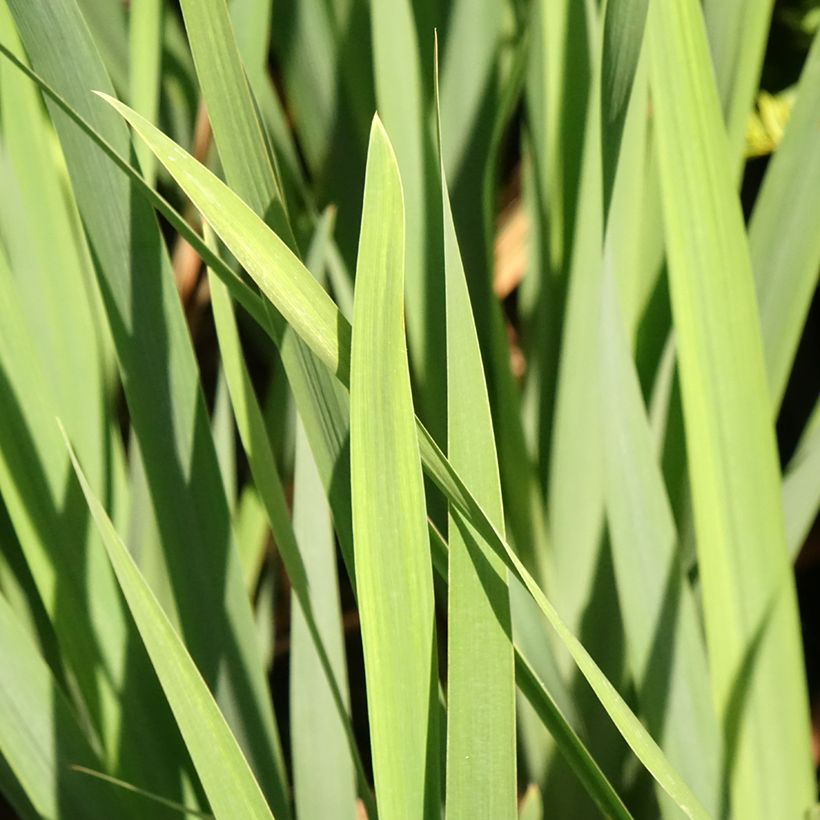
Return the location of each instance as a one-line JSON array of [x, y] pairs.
[[394, 580], [225, 774], [749, 600]]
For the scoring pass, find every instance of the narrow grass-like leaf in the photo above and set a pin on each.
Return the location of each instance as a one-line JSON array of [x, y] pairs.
[[130, 787], [252, 533], [237, 132], [240, 291], [404, 103], [256, 444], [737, 31], [393, 573], [145, 64], [478, 179], [624, 22], [474, 38], [549, 713], [575, 490], [572, 748], [249, 168], [323, 773], [557, 93], [223, 433], [481, 758], [42, 298], [324, 779], [48, 263], [297, 295], [75, 585], [40, 736], [628, 210], [108, 26], [664, 644], [784, 240], [581, 583], [252, 25], [801, 485], [748, 592], [226, 777], [21, 594], [161, 384], [251, 173]]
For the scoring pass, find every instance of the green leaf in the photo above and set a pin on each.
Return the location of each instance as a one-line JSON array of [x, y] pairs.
[[130, 787], [145, 58], [394, 579], [72, 577], [323, 773], [748, 592], [107, 24], [404, 101], [324, 778], [47, 340], [801, 485], [256, 444], [297, 295], [40, 736], [240, 291], [783, 238], [226, 776], [624, 22], [571, 746], [737, 32], [664, 644], [252, 535], [481, 745], [237, 131], [548, 711]]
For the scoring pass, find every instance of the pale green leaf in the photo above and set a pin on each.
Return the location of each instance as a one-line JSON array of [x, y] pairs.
[[324, 778], [393, 574], [748, 592], [481, 746], [737, 32], [801, 485], [403, 97], [226, 776], [40, 736], [783, 237], [664, 642], [145, 68]]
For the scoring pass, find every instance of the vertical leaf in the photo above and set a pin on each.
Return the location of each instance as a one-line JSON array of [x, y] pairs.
[[748, 592], [801, 485], [145, 59], [624, 22], [323, 776], [737, 32], [40, 736], [666, 652], [225, 775], [783, 238], [481, 766], [404, 104], [395, 584]]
